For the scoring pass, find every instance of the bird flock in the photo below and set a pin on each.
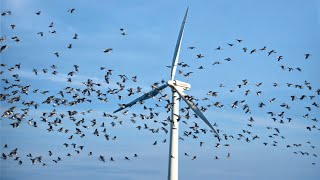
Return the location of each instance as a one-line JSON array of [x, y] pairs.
[[60, 111]]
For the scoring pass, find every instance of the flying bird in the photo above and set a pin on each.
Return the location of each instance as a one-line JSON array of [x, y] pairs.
[[252, 51], [57, 54], [307, 55], [107, 50], [200, 56], [71, 10], [40, 33], [263, 49], [75, 36], [3, 48], [270, 52], [279, 58], [122, 32]]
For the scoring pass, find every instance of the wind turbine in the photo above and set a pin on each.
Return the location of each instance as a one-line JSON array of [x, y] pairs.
[[178, 88]]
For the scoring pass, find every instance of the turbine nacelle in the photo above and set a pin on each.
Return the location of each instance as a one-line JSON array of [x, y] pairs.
[[175, 83]]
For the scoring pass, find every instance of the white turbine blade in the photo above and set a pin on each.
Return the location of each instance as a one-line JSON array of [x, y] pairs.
[[196, 110], [146, 96], [178, 45]]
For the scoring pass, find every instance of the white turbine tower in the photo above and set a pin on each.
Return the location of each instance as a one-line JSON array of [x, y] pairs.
[[177, 88]]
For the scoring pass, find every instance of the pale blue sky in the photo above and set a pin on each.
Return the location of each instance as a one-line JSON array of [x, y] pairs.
[[291, 28]]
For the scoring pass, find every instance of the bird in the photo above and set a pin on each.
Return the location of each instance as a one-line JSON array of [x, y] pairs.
[[201, 143], [101, 158], [75, 36], [40, 33], [5, 13], [227, 59], [51, 25], [122, 31], [200, 56], [307, 55], [270, 52], [15, 38], [57, 54], [155, 143], [187, 74], [279, 58], [252, 51], [3, 48], [71, 10], [244, 49], [263, 49], [3, 39], [107, 50]]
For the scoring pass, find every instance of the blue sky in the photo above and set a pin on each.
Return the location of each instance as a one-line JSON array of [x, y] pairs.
[[291, 28]]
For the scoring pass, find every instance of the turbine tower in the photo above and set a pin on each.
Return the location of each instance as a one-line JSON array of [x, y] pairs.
[[178, 89]]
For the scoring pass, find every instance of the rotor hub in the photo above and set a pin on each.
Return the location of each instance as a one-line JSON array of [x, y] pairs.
[[185, 86]]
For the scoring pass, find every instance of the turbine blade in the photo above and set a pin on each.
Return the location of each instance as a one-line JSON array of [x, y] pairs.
[[178, 45], [146, 96], [196, 110]]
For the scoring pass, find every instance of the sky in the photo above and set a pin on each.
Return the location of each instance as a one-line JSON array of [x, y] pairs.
[[290, 28]]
